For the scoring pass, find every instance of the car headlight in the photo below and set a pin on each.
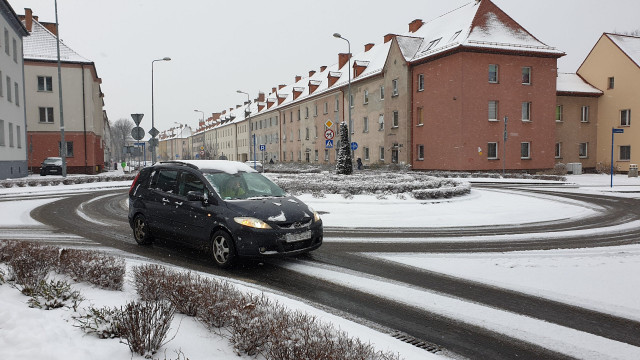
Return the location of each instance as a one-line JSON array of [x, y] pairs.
[[316, 216], [252, 222]]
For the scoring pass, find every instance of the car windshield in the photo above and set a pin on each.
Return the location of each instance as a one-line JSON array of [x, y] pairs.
[[243, 185], [52, 161]]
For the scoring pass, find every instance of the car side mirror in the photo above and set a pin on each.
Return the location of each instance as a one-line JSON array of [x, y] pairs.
[[196, 196]]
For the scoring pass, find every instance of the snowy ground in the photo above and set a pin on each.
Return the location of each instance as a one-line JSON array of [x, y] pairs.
[[592, 278]]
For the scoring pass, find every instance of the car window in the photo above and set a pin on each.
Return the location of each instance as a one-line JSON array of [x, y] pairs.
[[191, 182], [243, 185], [166, 181]]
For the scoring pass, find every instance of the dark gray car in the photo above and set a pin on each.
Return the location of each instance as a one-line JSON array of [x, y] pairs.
[[225, 207]]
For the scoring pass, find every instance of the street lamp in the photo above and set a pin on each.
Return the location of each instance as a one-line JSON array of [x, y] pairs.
[[63, 143], [204, 131], [153, 124], [337, 35]]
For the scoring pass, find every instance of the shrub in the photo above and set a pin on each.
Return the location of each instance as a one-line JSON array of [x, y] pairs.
[[144, 325], [251, 324], [30, 264], [104, 323], [186, 292], [151, 282], [219, 301], [53, 295], [105, 271]]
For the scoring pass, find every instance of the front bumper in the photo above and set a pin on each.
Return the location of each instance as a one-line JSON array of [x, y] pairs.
[[252, 242]]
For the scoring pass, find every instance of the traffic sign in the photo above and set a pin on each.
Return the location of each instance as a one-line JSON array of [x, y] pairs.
[[263, 147], [328, 144], [329, 134], [137, 118], [137, 133], [153, 142], [328, 124], [154, 132], [354, 145], [202, 152], [618, 131]]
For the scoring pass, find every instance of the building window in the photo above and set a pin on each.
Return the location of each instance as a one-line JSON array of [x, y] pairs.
[[15, 51], [1, 132], [290, 116], [584, 114], [316, 155], [366, 97], [69, 149], [394, 85], [420, 152], [315, 111], [583, 150], [432, 44], [6, 42], [306, 137], [525, 150], [526, 76], [558, 113], [492, 150], [46, 114], [382, 153], [337, 105], [381, 122], [298, 114], [306, 112], [625, 117], [17, 92], [18, 137], [366, 153], [493, 73], [326, 154], [1, 87], [420, 82], [558, 150], [284, 156], [9, 89], [326, 107], [365, 124], [493, 110], [419, 117], [396, 119], [625, 153], [610, 83], [381, 92], [10, 135], [526, 111]]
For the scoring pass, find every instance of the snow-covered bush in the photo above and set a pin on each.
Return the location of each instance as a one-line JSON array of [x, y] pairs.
[[97, 268], [144, 326], [55, 294], [29, 264], [151, 282], [102, 322]]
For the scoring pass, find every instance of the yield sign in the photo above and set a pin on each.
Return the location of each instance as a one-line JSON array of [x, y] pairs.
[[329, 134], [137, 118]]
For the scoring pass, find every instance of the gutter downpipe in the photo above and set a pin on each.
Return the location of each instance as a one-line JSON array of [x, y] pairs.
[[84, 120]]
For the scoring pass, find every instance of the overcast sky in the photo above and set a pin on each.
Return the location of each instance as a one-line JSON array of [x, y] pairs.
[[218, 47]]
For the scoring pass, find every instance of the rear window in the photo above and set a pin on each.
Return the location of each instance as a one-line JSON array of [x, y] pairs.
[[166, 181]]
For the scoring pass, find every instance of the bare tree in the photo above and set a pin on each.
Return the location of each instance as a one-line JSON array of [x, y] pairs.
[[121, 133]]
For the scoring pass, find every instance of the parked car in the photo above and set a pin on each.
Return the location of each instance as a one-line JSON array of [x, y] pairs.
[[224, 207], [51, 166]]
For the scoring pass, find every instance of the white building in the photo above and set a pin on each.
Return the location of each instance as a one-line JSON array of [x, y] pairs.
[[13, 144]]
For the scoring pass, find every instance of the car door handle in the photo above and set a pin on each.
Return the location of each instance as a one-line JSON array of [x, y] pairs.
[[165, 200], [179, 203]]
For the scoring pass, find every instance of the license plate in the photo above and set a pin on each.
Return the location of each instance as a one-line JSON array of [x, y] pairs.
[[298, 237]]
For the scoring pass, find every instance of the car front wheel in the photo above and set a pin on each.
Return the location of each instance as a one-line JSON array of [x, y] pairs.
[[223, 249], [141, 230]]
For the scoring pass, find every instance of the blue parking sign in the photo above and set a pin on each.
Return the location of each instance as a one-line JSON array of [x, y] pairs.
[[328, 144], [263, 147]]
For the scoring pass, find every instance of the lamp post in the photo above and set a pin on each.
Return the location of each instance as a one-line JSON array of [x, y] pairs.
[[153, 124], [337, 35], [204, 131], [247, 114], [63, 143]]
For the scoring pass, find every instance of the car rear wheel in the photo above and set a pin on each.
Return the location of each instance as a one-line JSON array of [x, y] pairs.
[[222, 249], [141, 230]]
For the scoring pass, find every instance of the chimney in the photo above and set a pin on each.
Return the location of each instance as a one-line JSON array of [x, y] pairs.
[[231, 109], [342, 59], [28, 19], [388, 37], [368, 46], [51, 27], [261, 96], [215, 116], [415, 25], [311, 72], [238, 106], [323, 68], [273, 90], [298, 77], [281, 86]]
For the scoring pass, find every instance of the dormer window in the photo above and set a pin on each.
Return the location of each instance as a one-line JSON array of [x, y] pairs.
[[433, 43], [455, 36]]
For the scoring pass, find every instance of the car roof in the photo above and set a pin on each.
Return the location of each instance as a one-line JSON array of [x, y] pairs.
[[227, 166]]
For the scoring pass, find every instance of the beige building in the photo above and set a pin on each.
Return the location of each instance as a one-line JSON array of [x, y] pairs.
[[576, 122], [613, 65]]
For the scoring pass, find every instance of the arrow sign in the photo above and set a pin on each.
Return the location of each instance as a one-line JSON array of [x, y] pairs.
[[354, 146], [137, 118]]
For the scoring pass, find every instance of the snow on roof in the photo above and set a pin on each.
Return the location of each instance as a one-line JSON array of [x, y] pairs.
[[41, 45], [630, 45], [573, 83], [229, 167]]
